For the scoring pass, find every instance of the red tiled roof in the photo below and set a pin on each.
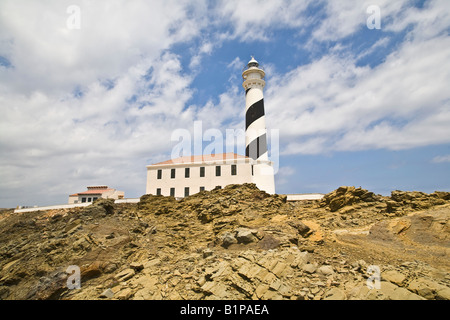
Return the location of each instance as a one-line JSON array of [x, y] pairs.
[[203, 158], [90, 192]]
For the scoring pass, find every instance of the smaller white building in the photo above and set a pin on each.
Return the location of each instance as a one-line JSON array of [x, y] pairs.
[[95, 192], [188, 175]]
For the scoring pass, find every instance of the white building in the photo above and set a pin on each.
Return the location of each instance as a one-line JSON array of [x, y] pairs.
[[188, 175], [184, 176], [95, 192]]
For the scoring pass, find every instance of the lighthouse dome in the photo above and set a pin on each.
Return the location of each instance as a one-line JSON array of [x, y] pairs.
[[252, 63]]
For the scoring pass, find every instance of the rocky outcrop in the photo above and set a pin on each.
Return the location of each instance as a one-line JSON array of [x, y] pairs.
[[347, 196], [232, 243]]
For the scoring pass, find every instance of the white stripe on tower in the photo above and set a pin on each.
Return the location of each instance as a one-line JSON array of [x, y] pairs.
[[255, 123]]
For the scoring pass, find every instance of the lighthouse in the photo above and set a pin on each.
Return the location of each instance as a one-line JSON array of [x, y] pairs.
[[255, 123], [256, 146], [187, 175]]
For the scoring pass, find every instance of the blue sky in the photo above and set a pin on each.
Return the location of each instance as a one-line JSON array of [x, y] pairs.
[[95, 102]]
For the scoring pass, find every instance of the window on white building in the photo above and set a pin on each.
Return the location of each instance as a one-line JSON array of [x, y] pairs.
[[158, 191], [202, 171], [159, 173], [172, 173], [217, 171], [172, 192], [233, 170], [186, 192], [186, 172]]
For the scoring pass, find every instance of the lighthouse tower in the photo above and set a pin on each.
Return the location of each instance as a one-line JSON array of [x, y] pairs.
[[255, 123], [255, 126]]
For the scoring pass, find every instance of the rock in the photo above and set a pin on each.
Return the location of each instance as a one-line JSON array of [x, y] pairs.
[[49, 287], [334, 294], [429, 289], [219, 290], [346, 196], [244, 235], [325, 270], [207, 253], [309, 268], [137, 266], [228, 239], [124, 294], [125, 275], [73, 226], [108, 293], [94, 270], [302, 228], [99, 207], [394, 277]]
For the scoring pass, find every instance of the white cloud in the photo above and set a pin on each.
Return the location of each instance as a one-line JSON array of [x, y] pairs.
[[130, 92], [331, 104], [96, 105], [252, 19], [441, 159], [348, 16]]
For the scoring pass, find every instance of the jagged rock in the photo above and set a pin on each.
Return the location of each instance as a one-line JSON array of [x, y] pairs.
[[108, 293], [429, 289], [244, 235], [286, 250], [99, 207], [345, 196], [334, 294], [125, 275], [302, 228], [49, 287], [137, 266], [125, 294], [228, 239], [394, 277], [309, 268], [325, 270]]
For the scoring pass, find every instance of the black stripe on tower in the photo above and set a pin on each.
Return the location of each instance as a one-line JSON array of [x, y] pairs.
[[257, 147], [246, 91], [253, 113]]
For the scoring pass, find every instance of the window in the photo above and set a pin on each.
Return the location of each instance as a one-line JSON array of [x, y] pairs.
[[186, 172], [83, 200], [172, 192], [158, 191], [89, 199], [202, 189], [95, 198], [217, 171], [186, 192], [233, 170], [202, 171], [159, 173], [252, 170], [218, 187], [172, 173]]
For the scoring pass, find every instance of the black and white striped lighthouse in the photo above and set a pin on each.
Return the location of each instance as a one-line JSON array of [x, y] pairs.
[[255, 123]]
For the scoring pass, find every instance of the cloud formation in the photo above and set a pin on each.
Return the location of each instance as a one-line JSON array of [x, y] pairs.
[[97, 104]]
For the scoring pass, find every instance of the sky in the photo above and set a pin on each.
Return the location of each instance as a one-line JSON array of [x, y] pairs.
[[357, 92]]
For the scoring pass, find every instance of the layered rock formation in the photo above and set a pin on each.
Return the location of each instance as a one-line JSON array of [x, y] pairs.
[[233, 243]]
